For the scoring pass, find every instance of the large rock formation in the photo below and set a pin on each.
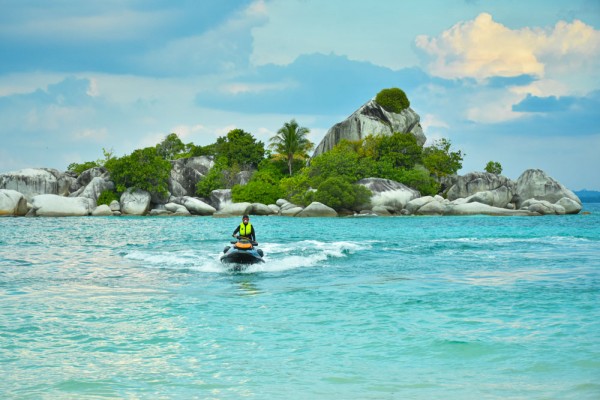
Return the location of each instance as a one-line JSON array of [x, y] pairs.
[[135, 202], [30, 182], [477, 182], [536, 184], [52, 205], [12, 203], [389, 195], [371, 118], [186, 172]]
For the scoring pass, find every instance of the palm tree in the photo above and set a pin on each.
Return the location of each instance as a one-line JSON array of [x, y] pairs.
[[291, 140]]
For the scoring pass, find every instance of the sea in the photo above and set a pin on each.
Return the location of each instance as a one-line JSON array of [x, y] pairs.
[[411, 307]]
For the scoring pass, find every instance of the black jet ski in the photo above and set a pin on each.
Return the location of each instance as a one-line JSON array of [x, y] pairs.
[[242, 251]]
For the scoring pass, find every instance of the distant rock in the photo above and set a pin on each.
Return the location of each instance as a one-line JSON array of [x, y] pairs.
[[95, 187], [186, 172], [234, 209], [288, 209], [316, 209], [373, 119], [220, 198], [135, 202], [494, 190], [30, 182], [12, 203], [261, 209], [52, 205], [196, 206], [536, 184], [391, 195], [102, 211]]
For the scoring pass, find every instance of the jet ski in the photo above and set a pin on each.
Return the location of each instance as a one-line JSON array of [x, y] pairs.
[[242, 251]]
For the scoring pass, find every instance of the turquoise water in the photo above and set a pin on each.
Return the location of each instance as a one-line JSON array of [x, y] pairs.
[[346, 308]]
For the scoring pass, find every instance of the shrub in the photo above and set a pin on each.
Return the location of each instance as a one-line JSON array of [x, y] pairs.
[[143, 169], [440, 161], [262, 188], [493, 167], [393, 100], [338, 193], [106, 197], [79, 168], [420, 180]]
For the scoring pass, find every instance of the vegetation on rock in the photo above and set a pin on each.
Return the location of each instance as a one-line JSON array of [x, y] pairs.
[[493, 167], [392, 100], [329, 178]]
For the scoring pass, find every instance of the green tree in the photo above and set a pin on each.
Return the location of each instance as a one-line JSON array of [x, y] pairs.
[[240, 148], [399, 150], [296, 187], [393, 100], [291, 141], [341, 161], [419, 179], [440, 160], [493, 167], [106, 197], [143, 169], [214, 179], [170, 147], [79, 168], [339, 193]]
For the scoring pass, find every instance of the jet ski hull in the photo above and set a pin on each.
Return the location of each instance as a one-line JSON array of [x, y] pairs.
[[236, 256]]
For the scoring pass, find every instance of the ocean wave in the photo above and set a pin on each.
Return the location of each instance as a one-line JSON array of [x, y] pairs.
[[278, 256]]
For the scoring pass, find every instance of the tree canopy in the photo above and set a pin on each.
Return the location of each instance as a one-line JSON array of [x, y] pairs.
[[291, 141]]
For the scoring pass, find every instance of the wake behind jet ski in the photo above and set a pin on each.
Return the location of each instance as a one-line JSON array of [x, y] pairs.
[[242, 251]]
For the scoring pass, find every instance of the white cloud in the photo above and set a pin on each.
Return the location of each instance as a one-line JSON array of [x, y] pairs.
[[223, 49], [483, 48], [431, 120]]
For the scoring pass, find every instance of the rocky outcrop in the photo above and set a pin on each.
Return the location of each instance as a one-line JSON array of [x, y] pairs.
[[102, 211], [94, 188], [536, 184], [287, 209], [220, 198], [316, 209], [135, 202], [30, 182], [12, 203], [390, 195], [52, 205], [186, 172], [196, 206], [234, 209], [437, 205], [369, 119], [500, 190], [261, 209]]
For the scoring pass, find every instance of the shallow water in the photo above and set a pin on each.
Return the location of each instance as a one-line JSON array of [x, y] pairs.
[[369, 308]]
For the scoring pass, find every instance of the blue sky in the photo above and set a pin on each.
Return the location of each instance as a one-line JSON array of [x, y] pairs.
[[516, 82]]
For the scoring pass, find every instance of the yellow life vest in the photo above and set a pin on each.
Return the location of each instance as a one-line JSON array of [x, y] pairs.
[[245, 230]]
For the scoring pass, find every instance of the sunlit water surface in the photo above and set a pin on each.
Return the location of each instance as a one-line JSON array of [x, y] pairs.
[[361, 308]]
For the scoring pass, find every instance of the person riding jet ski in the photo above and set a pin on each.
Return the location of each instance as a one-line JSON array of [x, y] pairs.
[[246, 230]]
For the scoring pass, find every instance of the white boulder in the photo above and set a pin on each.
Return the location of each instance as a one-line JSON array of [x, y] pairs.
[[12, 203], [135, 202], [52, 205], [316, 209]]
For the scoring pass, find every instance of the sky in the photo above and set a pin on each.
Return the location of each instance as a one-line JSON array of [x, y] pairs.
[[512, 81]]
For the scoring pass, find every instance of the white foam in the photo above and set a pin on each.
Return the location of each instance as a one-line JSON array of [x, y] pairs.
[[278, 257]]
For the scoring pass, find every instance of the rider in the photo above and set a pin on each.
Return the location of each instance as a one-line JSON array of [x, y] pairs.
[[245, 229]]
